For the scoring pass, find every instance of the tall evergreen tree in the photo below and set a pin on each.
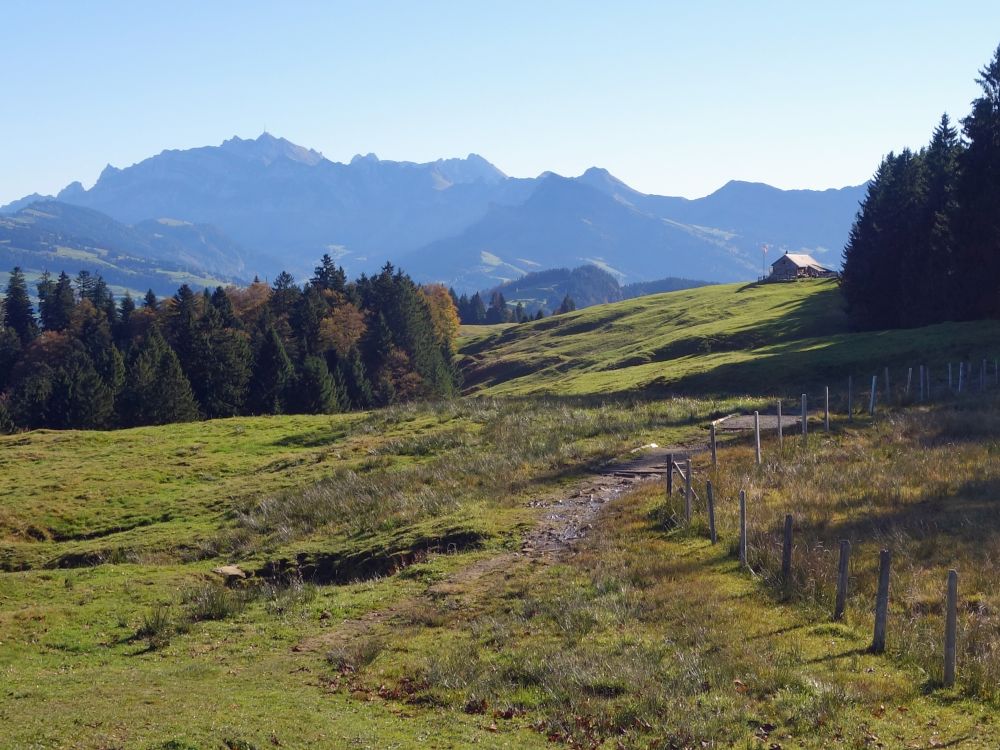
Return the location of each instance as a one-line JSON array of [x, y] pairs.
[[20, 316], [80, 398], [220, 367], [978, 250], [315, 390], [271, 374], [156, 390], [329, 276]]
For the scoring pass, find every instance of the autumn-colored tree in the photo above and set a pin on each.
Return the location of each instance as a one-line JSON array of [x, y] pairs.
[[444, 314], [342, 329]]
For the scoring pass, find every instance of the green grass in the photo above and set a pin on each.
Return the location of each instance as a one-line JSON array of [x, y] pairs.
[[735, 338], [400, 614]]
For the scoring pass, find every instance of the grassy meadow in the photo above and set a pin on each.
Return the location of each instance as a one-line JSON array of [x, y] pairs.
[[392, 608]]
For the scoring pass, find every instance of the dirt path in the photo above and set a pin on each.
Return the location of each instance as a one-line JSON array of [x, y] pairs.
[[566, 520]]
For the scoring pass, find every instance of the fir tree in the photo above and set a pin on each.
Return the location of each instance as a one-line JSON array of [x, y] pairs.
[[220, 367], [20, 317], [271, 373], [80, 399], [156, 390], [978, 251], [567, 305], [329, 276], [149, 301], [315, 390]]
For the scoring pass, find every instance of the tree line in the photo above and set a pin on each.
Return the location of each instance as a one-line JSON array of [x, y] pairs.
[[472, 310], [86, 360], [925, 246]]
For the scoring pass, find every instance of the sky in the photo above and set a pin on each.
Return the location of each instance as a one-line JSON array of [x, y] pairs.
[[674, 98]]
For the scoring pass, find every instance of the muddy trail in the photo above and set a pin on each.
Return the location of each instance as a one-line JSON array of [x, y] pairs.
[[563, 523]]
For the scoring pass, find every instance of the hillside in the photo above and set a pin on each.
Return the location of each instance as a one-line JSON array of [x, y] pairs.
[[475, 572], [460, 221], [586, 285], [156, 254], [735, 338]]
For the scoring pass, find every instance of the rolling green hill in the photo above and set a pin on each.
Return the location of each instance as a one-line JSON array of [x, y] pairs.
[[735, 338]]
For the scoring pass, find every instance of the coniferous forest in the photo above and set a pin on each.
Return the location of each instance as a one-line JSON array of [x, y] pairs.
[[925, 247], [89, 361]]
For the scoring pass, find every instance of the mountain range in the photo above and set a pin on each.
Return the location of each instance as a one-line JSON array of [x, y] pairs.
[[256, 206]]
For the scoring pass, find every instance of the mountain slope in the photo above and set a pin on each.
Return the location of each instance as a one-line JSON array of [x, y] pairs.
[[566, 223], [460, 221], [54, 236], [745, 338]]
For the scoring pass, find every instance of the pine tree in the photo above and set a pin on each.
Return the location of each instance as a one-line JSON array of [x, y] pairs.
[[567, 305], [224, 306], [357, 387], [80, 398], [149, 301], [540, 314], [978, 251], [220, 367], [315, 390], [271, 373], [477, 310], [329, 276], [10, 352], [156, 390], [20, 316], [497, 312]]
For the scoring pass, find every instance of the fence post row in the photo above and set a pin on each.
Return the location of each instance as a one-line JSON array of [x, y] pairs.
[[882, 601], [843, 574], [951, 629]]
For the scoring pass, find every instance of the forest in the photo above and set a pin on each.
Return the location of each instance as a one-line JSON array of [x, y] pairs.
[[925, 246], [85, 360]]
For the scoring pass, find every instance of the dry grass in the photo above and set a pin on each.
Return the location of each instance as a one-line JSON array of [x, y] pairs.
[[924, 483]]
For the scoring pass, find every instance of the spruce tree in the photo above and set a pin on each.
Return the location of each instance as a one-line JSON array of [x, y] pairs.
[[20, 316], [220, 367], [156, 390], [271, 373], [978, 248], [315, 391], [80, 398]]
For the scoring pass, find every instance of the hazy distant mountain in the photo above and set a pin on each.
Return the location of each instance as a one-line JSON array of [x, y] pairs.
[[587, 285], [161, 254], [461, 221]]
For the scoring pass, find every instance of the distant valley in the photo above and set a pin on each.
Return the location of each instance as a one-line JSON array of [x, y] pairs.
[[257, 206]]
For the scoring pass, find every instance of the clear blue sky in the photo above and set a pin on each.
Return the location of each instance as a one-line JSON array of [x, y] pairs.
[[673, 97]]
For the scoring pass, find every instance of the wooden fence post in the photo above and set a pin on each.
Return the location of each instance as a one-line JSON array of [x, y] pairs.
[[756, 435], [950, 387], [670, 475], [887, 390], [961, 372], [786, 552], [982, 377], [882, 601], [927, 382], [921, 397], [743, 528], [687, 489], [805, 422], [951, 629], [826, 407], [711, 511], [871, 402], [909, 379], [781, 428], [996, 372], [715, 455], [843, 574], [850, 398]]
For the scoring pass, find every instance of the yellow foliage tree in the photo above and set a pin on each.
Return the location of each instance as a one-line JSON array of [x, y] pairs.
[[444, 314]]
